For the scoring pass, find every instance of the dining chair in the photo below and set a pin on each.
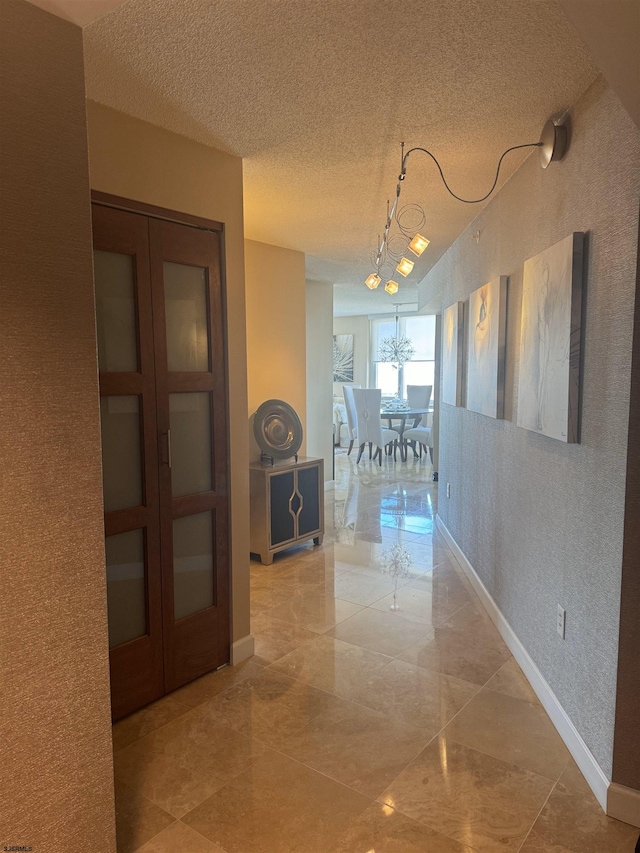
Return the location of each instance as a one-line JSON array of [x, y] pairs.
[[368, 425], [350, 409], [420, 436], [419, 397]]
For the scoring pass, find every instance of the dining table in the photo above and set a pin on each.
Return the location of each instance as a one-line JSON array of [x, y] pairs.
[[404, 415]]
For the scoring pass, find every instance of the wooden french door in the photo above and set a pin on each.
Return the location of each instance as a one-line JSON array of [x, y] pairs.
[[161, 354]]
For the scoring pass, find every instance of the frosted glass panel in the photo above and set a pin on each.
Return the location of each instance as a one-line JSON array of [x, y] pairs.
[[192, 564], [190, 443], [126, 588], [185, 295], [121, 465], [115, 312]]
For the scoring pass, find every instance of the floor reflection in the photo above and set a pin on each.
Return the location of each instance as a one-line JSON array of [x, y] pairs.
[[381, 711]]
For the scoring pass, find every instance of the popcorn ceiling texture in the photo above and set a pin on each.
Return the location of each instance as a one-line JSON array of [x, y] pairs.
[[55, 725], [316, 95], [540, 521]]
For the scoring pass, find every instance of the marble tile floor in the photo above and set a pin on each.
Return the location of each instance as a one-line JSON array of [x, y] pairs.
[[380, 713]]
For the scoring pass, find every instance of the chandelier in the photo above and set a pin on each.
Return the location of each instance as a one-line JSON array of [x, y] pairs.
[[397, 348], [401, 223]]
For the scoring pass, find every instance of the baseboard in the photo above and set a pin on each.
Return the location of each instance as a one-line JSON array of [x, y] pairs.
[[581, 753], [242, 649], [624, 804]]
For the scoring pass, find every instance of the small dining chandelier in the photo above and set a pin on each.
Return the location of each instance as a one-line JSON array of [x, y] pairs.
[[396, 349]]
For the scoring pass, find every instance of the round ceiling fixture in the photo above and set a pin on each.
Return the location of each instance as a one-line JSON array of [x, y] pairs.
[[553, 143], [277, 429]]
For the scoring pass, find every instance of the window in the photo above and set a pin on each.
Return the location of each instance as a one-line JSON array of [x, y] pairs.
[[421, 331]]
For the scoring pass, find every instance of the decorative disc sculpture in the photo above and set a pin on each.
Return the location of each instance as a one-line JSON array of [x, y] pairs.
[[277, 429]]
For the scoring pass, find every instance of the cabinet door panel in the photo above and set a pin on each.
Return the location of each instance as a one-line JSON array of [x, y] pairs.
[[283, 527], [309, 489]]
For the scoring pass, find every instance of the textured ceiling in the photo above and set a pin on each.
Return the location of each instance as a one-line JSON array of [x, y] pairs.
[[316, 96]]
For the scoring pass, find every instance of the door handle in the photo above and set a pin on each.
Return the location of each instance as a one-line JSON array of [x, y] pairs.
[[166, 448]]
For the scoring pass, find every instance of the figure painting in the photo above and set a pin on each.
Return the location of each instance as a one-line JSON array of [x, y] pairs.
[[550, 341], [486, 360], [452, 340]]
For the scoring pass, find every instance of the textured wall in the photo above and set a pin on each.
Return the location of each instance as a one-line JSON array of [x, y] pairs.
[[319, 357], [55, 732], [136, 160], [276, 330], [626, 749], [541, 521]]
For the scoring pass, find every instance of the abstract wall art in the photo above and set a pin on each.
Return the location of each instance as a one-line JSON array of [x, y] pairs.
[[343, 358], [486, 348], [550, 341], [452, 345]]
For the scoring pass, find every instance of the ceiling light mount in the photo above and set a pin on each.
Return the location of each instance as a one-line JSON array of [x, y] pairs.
[[553, 143], [553, 146]]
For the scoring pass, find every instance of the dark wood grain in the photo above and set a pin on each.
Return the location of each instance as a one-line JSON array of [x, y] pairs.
[[137, 666], [172, 652], [199, 642], [152, 210]]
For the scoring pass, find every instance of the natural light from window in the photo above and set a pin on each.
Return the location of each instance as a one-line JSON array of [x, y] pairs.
[[421, 330]]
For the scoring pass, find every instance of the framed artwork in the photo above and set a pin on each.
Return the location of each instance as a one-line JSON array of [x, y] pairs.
[[550, 341], [343, 358], [452, 342], [487, 328]]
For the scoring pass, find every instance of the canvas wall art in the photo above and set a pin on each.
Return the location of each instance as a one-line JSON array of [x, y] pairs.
[[343, 358], [487, 326], [550, 341], [452, 341]]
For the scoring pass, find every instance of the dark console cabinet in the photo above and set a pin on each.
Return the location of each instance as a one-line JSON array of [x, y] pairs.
[[287, 505]]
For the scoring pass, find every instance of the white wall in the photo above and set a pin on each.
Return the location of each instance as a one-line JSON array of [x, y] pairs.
[[320, 373]]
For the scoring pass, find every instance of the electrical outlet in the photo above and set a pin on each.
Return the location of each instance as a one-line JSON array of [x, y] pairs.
[[561, 622], [448, 490]]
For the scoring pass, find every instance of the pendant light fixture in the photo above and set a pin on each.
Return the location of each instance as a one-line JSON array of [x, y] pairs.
[[409, 219], [396, 349]]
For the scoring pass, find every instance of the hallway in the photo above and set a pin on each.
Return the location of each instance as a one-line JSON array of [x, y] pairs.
[[381, 713]]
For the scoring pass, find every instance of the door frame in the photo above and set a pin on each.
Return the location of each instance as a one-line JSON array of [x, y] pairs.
[[165, 214]]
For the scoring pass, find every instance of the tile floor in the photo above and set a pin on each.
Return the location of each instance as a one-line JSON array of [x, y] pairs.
[[380, 714]]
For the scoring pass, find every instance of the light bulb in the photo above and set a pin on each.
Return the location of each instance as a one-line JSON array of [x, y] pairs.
[[373, 281], [418, 244], [391, 287], [405, 266]]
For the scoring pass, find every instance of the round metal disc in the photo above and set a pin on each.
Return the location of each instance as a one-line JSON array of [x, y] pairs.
[[277, 429], [554, 143]]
